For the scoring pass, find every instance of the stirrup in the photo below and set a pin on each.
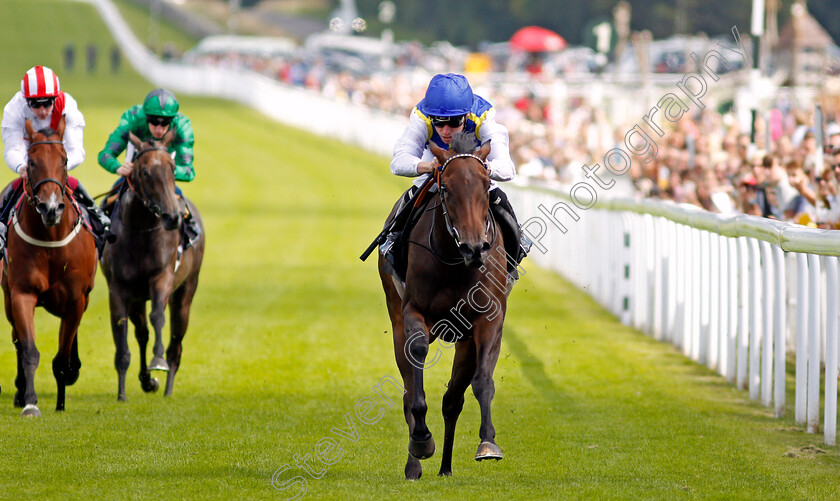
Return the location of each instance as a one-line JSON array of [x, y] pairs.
[[525, 244], [387, 247]]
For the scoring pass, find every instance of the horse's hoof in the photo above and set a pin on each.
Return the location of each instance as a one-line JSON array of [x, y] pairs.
[[488, 450], [447, 473], [413, 469], [421, 449], [121, 398], [31, 411], [151, 385], [158, 364]]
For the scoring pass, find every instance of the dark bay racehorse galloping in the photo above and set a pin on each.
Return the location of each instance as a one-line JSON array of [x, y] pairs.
[[452, 292], [144, 263], [50, 263]]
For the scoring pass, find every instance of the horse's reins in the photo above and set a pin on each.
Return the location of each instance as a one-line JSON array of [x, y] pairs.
[[32, 190], [450, 228]]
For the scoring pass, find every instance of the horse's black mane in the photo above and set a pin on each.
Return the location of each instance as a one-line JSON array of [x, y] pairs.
[[463, 142]]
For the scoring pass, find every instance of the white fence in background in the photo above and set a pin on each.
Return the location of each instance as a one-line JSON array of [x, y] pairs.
[[735, 293], [370, 129]]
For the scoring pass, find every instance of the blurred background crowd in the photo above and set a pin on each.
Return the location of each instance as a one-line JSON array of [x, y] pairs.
[[566, 106]]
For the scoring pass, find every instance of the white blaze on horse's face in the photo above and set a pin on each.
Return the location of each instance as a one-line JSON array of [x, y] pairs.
[[51, 209]]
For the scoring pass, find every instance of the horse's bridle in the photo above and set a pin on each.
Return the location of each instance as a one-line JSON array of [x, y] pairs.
[[153, 207], [33, 198], [450, 228]]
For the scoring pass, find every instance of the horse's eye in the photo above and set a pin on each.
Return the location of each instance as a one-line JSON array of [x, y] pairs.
[[145, 173]]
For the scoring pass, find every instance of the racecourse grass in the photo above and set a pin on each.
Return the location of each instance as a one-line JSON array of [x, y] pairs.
[[289, 331]]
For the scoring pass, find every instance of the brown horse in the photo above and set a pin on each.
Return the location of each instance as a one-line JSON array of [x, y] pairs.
[[453, 291], [50, 263], [146, 264]]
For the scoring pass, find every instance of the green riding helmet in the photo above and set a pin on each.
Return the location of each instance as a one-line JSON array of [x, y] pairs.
[[161, 103]]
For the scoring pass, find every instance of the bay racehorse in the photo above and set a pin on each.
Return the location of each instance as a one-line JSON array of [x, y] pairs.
[[145, 263], [50, 262], [454, 290]]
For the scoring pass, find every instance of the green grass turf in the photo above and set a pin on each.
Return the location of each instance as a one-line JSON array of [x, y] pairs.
[[289, 331]]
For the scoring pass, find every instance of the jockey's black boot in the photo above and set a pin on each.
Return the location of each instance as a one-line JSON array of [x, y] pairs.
[[190, 230], [9, 197], [392, 248], [99, 222], [517, 245]]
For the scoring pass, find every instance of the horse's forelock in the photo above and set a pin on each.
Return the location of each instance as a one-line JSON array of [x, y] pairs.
[[47, 131], [463, 142]]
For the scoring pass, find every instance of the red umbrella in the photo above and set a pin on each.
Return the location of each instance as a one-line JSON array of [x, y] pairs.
[[537, 39]]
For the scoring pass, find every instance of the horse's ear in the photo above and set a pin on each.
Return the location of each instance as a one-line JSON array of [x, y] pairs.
[[30, 132], [62, 124], [168, 137], [135, 141], [484, 151], [438, 152]]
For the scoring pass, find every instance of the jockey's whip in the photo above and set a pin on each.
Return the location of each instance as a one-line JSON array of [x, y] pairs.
[[409, 205]]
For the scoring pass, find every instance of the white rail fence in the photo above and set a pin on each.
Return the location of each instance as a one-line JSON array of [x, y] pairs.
[[737, 294]]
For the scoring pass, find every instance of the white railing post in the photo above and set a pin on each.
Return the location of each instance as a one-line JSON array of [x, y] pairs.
[[695, 294], [803, 287], [814, 342], [681, 276], [724, 279], [734, 312], [743, 312], [755, 319], [780, 323], [831, 351], [704, 299], [767, 291], [712, 298]]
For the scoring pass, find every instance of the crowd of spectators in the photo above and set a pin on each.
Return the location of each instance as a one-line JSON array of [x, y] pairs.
[[708, 159]]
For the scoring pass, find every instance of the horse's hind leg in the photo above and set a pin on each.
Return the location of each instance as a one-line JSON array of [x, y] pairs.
[[179, 317], [463, 369], [137, 314]]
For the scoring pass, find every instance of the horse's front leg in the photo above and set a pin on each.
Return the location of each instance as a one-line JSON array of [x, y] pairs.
[[413, 468], [488, 339], [161, 288], [137, 314], [66, 363], [23, 313], [463, 370], [421, 445]]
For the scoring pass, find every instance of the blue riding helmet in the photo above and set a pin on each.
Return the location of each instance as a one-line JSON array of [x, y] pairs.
[[448, 95]]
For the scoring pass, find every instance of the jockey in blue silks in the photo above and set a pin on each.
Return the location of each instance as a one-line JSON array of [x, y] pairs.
[[449, 107]]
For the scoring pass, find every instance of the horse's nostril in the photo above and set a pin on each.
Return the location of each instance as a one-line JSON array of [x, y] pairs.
[[485, 247]]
